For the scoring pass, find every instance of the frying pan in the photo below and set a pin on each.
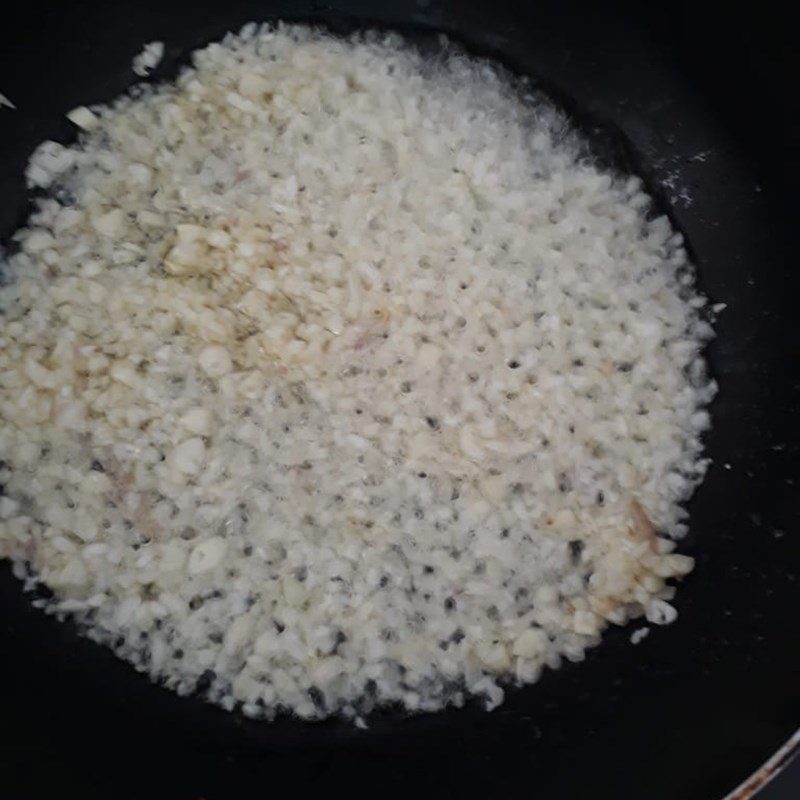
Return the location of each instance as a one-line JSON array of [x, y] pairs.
[[701, 107]]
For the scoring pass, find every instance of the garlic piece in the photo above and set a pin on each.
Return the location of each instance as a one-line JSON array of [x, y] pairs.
[[197, 421], [215, 361], [494, 655], [83, 117], [530, 643], [207, 555], [586, 623], [109, 224], [188, 456]]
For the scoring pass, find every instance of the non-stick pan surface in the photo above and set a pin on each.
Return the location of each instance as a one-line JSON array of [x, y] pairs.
[[700, 104]]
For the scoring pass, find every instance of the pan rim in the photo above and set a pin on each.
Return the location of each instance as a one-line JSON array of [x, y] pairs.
[[765, 774]]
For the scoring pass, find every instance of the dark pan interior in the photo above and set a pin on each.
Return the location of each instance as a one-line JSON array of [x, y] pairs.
[[703, 107]]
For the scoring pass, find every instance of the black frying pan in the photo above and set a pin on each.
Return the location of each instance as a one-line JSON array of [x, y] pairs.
[[700, 100]]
